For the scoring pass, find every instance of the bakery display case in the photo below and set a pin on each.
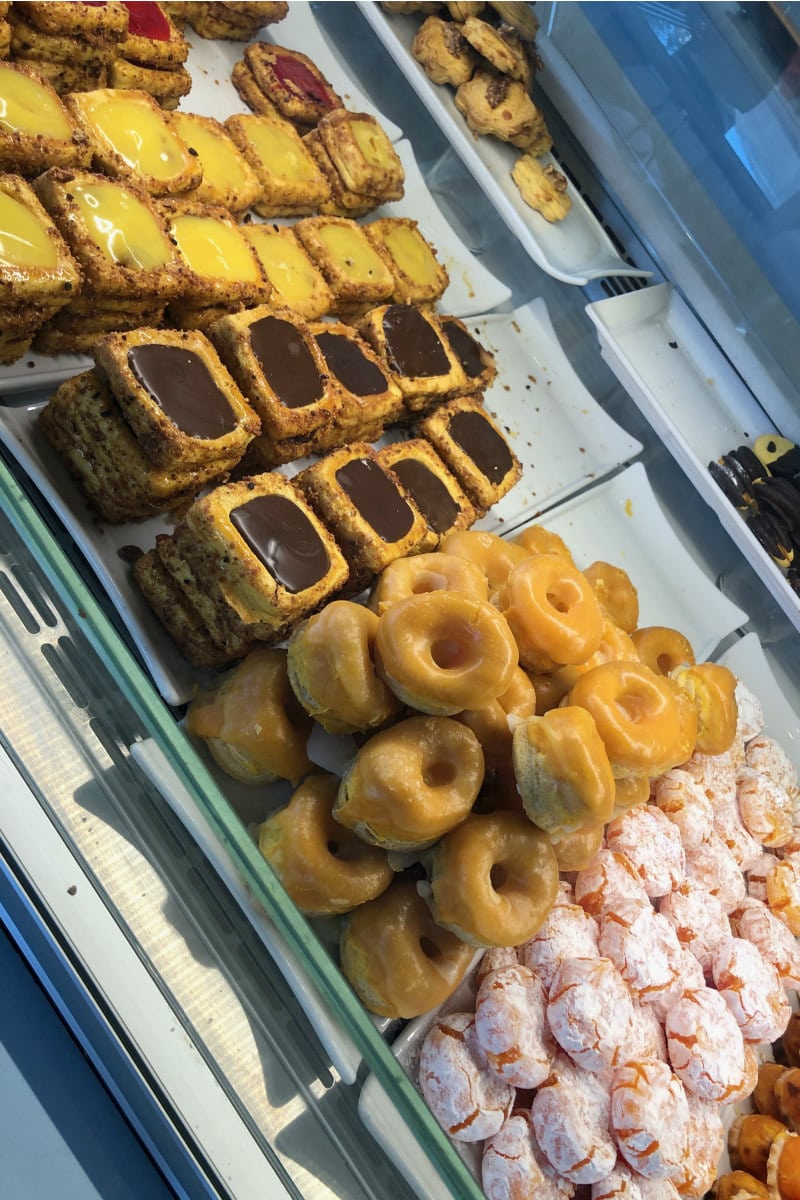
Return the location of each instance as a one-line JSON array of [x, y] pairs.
[[649, 332]]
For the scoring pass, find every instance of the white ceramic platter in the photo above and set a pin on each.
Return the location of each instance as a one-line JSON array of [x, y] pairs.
[[574, 250], [621, 522], [693, 399]]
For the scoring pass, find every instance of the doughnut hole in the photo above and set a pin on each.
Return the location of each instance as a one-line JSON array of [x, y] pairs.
[[712, 689], [552, 611], [493, 555], [411, 783], [663, 649], [493, 724], [399, 962], [418, 574], [636, 714], [493, 880], [253, 724], [563, 772], [330, 659], [444, 652], [616, 593], [324, 868]]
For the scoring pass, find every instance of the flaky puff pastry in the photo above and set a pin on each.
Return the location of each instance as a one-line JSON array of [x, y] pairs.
[[362, 154], [496, 105], [504, 51], [542, 187], [443, 52]]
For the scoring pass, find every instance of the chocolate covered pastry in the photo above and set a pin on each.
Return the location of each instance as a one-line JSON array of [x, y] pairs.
[[434, 489], [474, 448]]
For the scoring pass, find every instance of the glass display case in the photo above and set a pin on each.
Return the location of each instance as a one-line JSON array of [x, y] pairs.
[[678, 128]]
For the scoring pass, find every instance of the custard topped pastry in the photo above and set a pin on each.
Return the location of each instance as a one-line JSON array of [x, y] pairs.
[[292, 182], [228, 179], [297, 283], [419, 277], [37, 130]]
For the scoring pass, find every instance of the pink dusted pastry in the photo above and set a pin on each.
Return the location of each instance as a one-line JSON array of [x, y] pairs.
[[730, 828], [623, 1184], [754, 921], [464, 1095], [495, 958], [699, 919], [643, 946], [607, 879], [749, 1077], [590, 1012], [649, 1117], [705, 1045], [690, 975], [716, 773], [681, 798], [570, 1115], [750, 714], [764, 754], [705, 1142], [568, 932], [751, 988], [757, 876], [513, 1166], [646, 1038], [713, 866], [652, 845], [783, 893], [511, 1026], [765, 808]]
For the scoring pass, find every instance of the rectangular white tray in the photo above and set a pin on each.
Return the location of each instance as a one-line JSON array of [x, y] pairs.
[[693, 399], [574, 250]]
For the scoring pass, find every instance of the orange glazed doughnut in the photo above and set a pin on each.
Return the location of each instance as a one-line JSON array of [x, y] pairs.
[[493, 880], [396, 958], [324, 868], [252, 723], [418, 574], [410, 784], [551, 687], [617, 595], [576, 850], [712, 688], [490, 553], [553, 612], [538, 540], [636, 715], [492, 724], [331, 669], [630, 793], [562, 769], [663, 649], [443, 652]]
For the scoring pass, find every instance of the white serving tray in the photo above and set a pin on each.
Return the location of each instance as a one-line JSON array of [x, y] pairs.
[[621, 522], [693, 399], [549, 441], [574, 250]]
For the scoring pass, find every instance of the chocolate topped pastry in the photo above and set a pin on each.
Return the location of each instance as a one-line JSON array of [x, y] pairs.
[[732, 481], [370, 399], [362, 503], [182, 386], [779, 497], [284, 539], [287, 362], [750, 463], [778, 455], [346, 358], [435, 490], [413, 345], [474, 449], [774, 535]]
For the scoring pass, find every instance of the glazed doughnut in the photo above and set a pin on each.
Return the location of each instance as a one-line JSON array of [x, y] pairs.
[[606, 880], [783, 1167], [615, 644], [705, 1142], [324, 868], [649, 1117], [705, 1045], [713, 690], [751, 988], [574, 851], [713, 866], [681, 798], [443, 652], [511, 1026], [783, 893], [538, 540], [464, 1095], [398, 961], [765, 808], [571, 1116], [493, 555], [513, 1164], [562, 770], [492, 723], [754, 921], [636, 714], [493, 880], [568, 932], [589, 1011], [551, 687], [663, 649], [553, 612], [652, 845], [699, 920], [616, 593], [332, 673], [630, 792], [411, 783], [418, 574], [643, 946], [252, 723]]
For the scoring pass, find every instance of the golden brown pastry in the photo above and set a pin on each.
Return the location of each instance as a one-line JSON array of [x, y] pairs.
[[500, 47], [494, 104], [542, 187], [443, 52]]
